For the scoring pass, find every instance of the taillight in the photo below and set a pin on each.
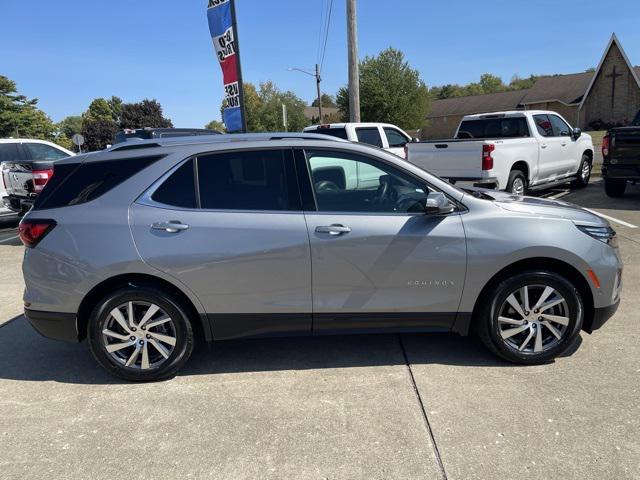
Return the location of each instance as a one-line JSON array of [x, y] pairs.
[[40, 179], [487, 159], [32, 231], [606, 142]]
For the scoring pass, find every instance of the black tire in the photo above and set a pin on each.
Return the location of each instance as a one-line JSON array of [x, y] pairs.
[[180, 327], [514, 177], [615, 187], [582, 175], [488, 327]]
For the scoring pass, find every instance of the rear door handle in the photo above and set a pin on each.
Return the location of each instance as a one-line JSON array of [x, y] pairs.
[[172, 226], [543, 146], [335, 229]]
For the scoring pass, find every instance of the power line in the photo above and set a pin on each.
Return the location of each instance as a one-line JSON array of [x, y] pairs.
[[326, 35], [320, 30]]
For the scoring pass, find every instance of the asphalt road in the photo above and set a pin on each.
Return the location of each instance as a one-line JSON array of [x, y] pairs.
[[371, 407]]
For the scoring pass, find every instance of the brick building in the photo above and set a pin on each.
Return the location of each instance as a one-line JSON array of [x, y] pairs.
[[608, 95]]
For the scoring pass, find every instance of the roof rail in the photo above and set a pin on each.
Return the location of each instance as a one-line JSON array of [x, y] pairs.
[[133, 146]]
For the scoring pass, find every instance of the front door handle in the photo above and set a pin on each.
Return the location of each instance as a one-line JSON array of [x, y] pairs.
[[172, 226], [543, 146], [335, 229]]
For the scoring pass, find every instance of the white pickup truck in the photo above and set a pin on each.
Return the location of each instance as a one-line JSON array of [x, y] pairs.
[[514, 151], [383, 135]]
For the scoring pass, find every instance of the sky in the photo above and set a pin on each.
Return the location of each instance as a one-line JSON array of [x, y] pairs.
[[68, 52]]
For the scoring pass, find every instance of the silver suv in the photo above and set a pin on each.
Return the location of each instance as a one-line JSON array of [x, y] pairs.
[[146, 247]]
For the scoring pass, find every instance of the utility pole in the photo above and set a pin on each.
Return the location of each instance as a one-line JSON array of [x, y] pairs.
[[318, 80], [354, 77]]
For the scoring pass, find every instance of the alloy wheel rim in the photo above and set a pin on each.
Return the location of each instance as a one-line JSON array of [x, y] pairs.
[[139, 335], [518, 187], [533, 319], [586, 171]]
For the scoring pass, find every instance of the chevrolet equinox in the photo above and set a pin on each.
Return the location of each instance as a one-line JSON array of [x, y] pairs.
[[144, 248]]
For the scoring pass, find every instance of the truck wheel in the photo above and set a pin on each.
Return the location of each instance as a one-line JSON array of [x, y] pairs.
[[584, 173], [517, 184], [531, 318], [614, 187]]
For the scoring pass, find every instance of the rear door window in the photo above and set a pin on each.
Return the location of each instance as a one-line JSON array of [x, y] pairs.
[[395, 138], [179, 189], [543, 124], [40, 151], [248, 180], [370, 135]]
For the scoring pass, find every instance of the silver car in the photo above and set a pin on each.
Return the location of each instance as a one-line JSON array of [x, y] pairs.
[[143, 249]]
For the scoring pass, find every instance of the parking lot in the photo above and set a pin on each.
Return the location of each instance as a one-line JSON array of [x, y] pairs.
[[378, 406]]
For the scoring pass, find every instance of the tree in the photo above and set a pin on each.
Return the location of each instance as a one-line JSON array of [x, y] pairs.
[[518, 83], [390, 91], [71, 125], [263, 107], [98, 132], [327, 101], [19, 115], [215, 125], [147, 113]]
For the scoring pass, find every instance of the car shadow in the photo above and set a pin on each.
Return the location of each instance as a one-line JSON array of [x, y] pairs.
[[593, 196], [27, 356]]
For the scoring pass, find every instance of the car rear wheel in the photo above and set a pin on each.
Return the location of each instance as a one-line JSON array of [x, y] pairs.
[[584, 173], [517, 184], [140, 334], [615, 187], [531, 318]]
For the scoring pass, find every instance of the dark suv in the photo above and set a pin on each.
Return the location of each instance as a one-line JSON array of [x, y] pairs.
[[621, 157]]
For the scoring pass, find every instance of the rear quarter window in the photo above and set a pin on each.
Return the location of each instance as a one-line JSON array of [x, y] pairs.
[[77, 183]]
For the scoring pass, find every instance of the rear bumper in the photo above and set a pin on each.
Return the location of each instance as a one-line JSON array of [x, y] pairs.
[[489, 182], [601, 315], [18, 204], [55, 325], [626, 172]]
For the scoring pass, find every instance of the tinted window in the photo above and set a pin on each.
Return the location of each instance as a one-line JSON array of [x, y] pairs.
[[395, 138], [179, 189], [334, 132], [9, 152], [40, 151], [249, 180], [369, 135], [344, 182], [543, 124], [636, 121], [494, 128], [76, 183], [560, 127]]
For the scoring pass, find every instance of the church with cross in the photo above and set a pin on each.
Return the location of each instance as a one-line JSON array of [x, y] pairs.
[[593, 100]]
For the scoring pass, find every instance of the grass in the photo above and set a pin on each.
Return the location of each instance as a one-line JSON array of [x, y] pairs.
[[596, 136]]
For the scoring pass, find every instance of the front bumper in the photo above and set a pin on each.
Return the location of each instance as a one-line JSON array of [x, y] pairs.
[[601, 315], [55, 325]]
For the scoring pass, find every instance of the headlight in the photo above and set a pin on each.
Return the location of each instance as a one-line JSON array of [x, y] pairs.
[[604, 234]]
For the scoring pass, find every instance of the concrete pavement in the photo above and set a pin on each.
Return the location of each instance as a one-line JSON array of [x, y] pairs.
[[332, 407]]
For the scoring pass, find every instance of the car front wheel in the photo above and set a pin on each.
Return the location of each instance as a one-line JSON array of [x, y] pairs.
[[531, 318], [140, 334]]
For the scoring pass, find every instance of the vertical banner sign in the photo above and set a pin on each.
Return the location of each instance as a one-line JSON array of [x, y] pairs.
[[222, 25]]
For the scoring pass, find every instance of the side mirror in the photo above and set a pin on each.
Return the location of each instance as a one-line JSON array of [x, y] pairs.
[[415, 140], [575, 133], [438, 204]]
